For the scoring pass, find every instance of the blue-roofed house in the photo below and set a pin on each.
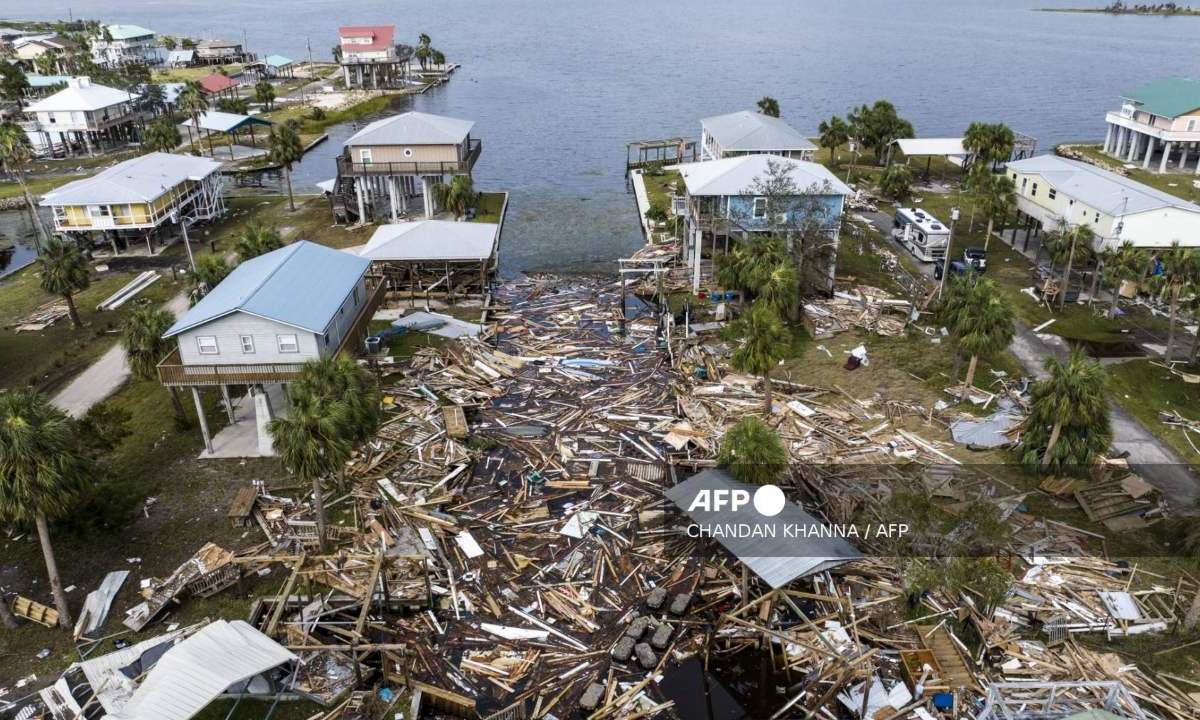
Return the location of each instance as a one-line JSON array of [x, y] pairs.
[[279, 66], [272, 314]]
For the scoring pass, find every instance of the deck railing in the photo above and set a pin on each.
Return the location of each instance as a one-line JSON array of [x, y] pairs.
[[173, 371], [346, 166]]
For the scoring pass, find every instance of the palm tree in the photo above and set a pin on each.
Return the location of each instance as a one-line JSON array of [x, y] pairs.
[[156, 98], [334, 403], [834, 134], [162, 135], [15, 153], [192, 101], [424, 50], [65, 272], [1180, 268], [43, 471], [896, 182], [144, 344], [1068, 420], [210, 271], [747, 267], [753, 452], [997, 198], [264, 93], [46, 64], [285, 149], [764, 340], [256, 239], [1083, 238], [457, 196], [984, 327], [990, 143], [781, 290], [769, 106]]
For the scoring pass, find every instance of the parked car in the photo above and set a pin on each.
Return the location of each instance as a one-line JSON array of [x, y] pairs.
[[977, 257], [957, 267]]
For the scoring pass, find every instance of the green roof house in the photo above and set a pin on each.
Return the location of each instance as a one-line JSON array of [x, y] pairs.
[[1157, 126]]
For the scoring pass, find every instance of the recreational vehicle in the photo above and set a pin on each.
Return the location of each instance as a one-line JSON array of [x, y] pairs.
[[921, 234]]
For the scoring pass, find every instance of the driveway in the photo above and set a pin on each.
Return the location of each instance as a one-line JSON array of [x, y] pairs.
[[1154, 460], [103, 377]]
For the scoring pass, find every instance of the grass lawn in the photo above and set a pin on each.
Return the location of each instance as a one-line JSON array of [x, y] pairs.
[[1144, 389], [1178, 184], [659, 188], [195, 73], [312, 220], [47, 359], [488, 207], [156, 460]]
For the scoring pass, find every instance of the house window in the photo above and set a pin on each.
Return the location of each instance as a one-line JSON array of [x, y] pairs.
[[247, 344], [1097, 218], [99, 211], [364, 155], [326, 339], [1033, 191], [287, 343], [1014, 177], [356, 295], [760, 208], [207, 345], [1052, 193], [1024, 182], [1191, 125], [408, 152]]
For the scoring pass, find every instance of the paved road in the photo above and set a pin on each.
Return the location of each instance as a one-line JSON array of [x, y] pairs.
[[1149, 456], [105, 375]]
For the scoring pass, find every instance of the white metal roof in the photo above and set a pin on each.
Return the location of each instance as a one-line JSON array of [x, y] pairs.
[[735, 176], [923, 220], [432, 240], [413, 128], [303, 285], [751, 131], [777, 560], [195, 672], [920, 147], [1107, 191], [140, 179], [81, 94]]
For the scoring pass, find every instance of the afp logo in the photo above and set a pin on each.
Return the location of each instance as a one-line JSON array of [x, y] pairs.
[[768, 500]]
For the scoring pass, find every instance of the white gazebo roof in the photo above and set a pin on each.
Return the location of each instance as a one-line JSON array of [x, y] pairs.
[[946, 147]]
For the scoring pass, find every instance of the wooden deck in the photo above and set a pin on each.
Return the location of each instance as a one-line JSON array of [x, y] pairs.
[[346, 166], [172, 371]]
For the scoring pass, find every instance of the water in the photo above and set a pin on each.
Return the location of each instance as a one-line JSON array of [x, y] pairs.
[[558, 88], [16, 229]]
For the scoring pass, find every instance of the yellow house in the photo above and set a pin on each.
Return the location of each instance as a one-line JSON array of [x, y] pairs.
[[138, 197]]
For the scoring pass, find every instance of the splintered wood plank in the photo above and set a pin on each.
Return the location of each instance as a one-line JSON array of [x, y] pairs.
[[456, 421]]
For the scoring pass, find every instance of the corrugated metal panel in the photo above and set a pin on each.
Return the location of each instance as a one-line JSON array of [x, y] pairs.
[[746, 131], [413, 128], [193, 673]]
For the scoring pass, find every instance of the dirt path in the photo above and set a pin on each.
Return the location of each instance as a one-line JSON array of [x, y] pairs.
[[1149, 456], [104, 376]]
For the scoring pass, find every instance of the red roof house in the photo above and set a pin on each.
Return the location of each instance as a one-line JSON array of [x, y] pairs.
[[216, 83], [366, 38]]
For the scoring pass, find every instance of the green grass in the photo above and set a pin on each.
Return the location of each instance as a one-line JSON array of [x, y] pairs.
[[370, 106], [48, 358], [1178, 184], [1145, 388], [195, 73], [658, 188], [488, 207]]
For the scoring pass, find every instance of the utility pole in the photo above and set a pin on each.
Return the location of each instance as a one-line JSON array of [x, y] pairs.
[[946, 258]]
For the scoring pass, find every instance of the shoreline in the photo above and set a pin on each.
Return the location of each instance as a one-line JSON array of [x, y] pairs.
[[1183, 12]]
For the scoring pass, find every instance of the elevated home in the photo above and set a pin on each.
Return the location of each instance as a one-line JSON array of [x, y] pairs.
[[84, 114], [220, 52], [440, 258], [1162, 117], [751, 133], [143, 198], [124, 44], [1052, 190], [260, 325], [184, 57], [34, 47], [370, 57], [388, 163], [724, 202]]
